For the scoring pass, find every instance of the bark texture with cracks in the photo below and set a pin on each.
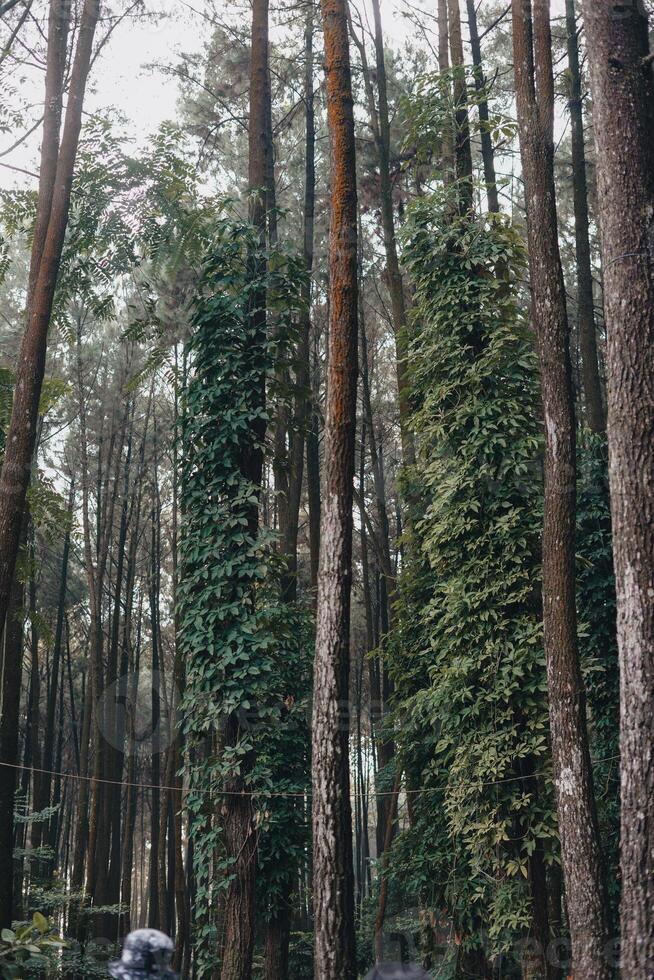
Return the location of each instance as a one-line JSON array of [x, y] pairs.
[[332, 841], [623, 106], [578, 825]]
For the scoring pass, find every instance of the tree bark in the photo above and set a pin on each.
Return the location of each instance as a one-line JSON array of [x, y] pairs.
[[623, 104], [278, 925], [578, 826], [277, 938], [335, 957], [49, 741], [313, 474], [303, 373], [462, 147], [21, 435], [12, 671], [487, 151], [380, 122], [585, 300], [447, 148], [391, 814]]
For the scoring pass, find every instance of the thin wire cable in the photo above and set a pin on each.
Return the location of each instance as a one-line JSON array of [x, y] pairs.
[[271, 793]]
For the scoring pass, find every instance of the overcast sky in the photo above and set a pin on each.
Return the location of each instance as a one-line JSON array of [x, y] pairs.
[[124, 78]]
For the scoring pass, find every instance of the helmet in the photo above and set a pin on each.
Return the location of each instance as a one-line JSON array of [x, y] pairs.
[[146, 953], [397, 971]]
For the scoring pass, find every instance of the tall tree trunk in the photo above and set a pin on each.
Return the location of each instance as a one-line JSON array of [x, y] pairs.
[[447, 148], [277, 937], [380, 122], [623, 104], [240, 836], [487, 151], [34, 715], [278, 925], [380, 694], [179, 678], [380, 918], [21, 435], [49, 741], [303, 374], [128, 917], [462, 146], [578, 826], [82, 807], [12, 671], [155, 762], [332, 826], [585, 300], [313, 472]]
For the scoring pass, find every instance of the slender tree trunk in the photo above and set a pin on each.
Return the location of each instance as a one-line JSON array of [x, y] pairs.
[[12, 671], [303, 374], [278, 926], [310, 377], [81, 819], [447, 148], [21, 435], [380, 122], [115, 680], [332, 826], [380, 918], [128, 918], [277, 937], [155, 762], [487, 151], [49, 741], [623, 106], [462, 146], [578, 827], [179, 678], [585, 301], [381, 693], [313, 475], [34, 713]]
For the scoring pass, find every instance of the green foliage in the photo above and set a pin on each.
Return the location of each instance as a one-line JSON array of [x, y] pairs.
[[300, 956], [284, 750], [472, 689], [431, 113], [29, 947], [244, 659]]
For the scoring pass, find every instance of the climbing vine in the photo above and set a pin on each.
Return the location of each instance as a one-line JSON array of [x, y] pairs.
[[232, 631], [471, 691]]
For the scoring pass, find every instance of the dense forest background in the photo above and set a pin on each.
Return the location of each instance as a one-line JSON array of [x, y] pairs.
[[308, 564]]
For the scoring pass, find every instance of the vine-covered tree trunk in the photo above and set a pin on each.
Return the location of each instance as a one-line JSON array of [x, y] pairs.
[[585, 300], [578, 827], [240, 837], [21, 435], [623, 104], [332, 827]]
